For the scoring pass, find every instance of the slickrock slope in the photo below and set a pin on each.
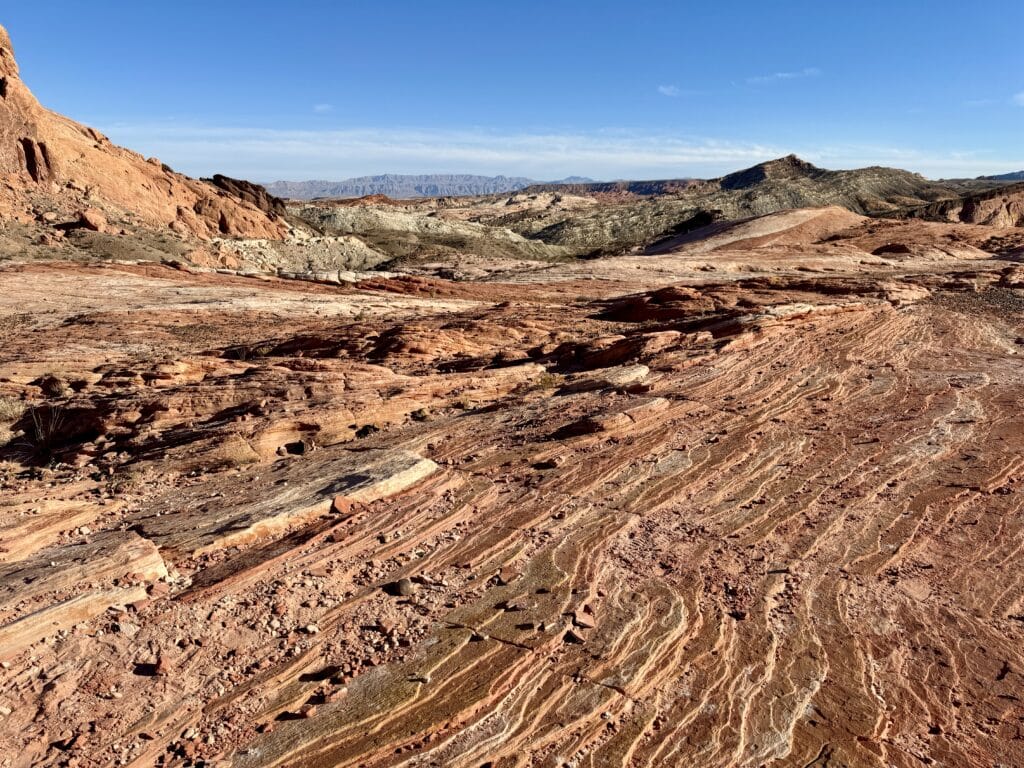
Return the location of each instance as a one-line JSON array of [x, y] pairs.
[[50, 165], [758, 504]]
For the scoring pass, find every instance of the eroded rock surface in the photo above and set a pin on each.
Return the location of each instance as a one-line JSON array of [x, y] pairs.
[[767, 514], [744, 491], [49, 161]]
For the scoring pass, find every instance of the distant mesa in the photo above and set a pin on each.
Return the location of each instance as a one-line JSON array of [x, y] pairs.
[[1014, 176], [406, 187]]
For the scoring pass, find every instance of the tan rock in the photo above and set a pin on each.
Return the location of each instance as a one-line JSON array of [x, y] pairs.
[[93, 219]]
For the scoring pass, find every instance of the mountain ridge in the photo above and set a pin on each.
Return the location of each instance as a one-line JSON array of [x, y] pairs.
[[1012, 176], [406, 186]]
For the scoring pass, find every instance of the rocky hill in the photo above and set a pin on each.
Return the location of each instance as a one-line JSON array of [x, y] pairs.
[[1001, 207], [52, 166], [864, 190], [652, 211], [790, 182]]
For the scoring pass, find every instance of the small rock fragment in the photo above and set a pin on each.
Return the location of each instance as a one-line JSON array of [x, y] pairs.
[[404, 587]]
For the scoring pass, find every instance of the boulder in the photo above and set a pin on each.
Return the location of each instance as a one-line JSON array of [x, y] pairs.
[[92, 219], [250, 193]]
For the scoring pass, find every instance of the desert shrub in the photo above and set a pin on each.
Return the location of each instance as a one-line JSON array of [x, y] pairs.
[[547, 381], [123, 481], [11, 409], [246, 352], [52, 385], [43, 432]]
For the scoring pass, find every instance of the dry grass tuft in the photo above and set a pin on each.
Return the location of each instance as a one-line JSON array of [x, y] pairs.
[[11, 409]]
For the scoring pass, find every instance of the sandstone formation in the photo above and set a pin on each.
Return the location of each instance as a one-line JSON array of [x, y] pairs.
[[743, 487], [750, 501], [47, 161], [1002, 207], [250, 193]]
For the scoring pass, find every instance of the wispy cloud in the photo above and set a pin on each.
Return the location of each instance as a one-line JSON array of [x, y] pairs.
[[323, 109], [775, 77], [1018, 99], [264, 154], [669, 90], [270, 154]]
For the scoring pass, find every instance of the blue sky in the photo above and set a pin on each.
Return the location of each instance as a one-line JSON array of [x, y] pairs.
[[298, 90]]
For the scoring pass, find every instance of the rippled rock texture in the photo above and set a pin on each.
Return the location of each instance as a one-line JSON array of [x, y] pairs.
[[631, 513]]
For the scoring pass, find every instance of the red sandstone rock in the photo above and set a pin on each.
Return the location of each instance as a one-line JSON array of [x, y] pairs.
[[93, 219], [47, 154]]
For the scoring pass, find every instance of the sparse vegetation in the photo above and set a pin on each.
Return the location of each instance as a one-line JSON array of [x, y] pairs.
[[196, 333], [11, 409], [249, 352], [123, 481], [548, 381], [52, 385], [42, 435]]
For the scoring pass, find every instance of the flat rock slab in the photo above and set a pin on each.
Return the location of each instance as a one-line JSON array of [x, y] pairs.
[[43, 594], [98, 560], [616, 377], [18, 635], [204, 519], [21, 535]]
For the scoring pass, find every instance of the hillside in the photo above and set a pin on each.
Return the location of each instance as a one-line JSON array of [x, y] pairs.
[[1001, 207], [652, 211], [52, 166]]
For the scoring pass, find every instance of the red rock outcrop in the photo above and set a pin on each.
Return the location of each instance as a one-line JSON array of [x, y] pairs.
[[250, 193], [1003, 207], [43, 154], [767, 521]]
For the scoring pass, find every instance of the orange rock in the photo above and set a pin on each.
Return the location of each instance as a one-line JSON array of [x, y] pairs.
[[42, 152], [93, 219]]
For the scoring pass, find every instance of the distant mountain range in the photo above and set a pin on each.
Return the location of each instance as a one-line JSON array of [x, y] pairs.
[[404, 186], [1015, 176]]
